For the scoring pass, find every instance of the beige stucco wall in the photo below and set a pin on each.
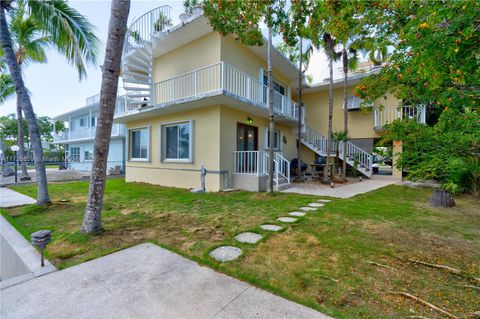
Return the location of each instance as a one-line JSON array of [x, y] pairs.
[[228, 135], [360, 123], [243, 58], [196, 54], [206, 151]]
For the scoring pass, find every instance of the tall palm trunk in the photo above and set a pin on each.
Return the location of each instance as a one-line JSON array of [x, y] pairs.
[[326, 171], [92, 221], [299, 119], [21, 143], [271, 111], [24, 99], [345, 111]]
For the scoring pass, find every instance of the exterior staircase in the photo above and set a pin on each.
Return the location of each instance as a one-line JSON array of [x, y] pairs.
[[354, 154], [137, 56]]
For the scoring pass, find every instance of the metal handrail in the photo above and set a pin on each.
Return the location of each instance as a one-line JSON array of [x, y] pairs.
[[144, 26]]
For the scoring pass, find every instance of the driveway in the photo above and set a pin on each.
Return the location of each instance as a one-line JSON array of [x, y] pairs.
[[144, 281]]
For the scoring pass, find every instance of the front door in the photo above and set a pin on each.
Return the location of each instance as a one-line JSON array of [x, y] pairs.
[[247, 137], [247, 143]]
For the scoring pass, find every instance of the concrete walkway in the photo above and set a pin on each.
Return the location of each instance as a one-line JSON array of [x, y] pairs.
[[343, 191], [10, 198], [144, 281]]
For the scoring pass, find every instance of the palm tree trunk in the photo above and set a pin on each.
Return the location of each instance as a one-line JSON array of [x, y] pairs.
[[271, 111], [92, 221], [299, 120], [21, 144], [24, 100], [345, 111], [326, 175]]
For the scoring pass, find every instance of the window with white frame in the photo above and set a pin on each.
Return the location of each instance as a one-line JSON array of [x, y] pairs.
[[74, 154], [93, 121], [277, 135], [139, 144], [82, 122], [177, 141], [88, 155]]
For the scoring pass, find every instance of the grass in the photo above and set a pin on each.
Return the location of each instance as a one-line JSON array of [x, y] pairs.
[[320, 261]]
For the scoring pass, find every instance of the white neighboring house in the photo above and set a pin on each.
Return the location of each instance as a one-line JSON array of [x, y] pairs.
[[79, 136]]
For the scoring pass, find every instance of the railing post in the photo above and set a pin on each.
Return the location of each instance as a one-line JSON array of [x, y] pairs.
[[258, 162], [222, 75], [195, 83]]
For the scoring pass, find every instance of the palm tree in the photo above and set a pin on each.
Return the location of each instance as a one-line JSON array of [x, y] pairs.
[[72, 35], [117, 28], [6, 84], [329, 47], [271, 111], [349, 62], [29, 46]]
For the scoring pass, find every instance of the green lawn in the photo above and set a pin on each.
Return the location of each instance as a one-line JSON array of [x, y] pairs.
[[320, 261]]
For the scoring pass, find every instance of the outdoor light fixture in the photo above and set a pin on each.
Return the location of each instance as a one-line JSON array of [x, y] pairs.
[[249, 120], [15, 149], [40, 239]]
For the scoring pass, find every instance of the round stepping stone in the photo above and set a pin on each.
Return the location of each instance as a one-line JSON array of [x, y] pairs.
[[271, 227], [324, 200], [250, 238], [287, 219], [296, 214], [225, 253], [308, 209], [316, 205]]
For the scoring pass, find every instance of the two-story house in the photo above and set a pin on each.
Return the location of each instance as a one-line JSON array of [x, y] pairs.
[[79, 136], [195, 98]]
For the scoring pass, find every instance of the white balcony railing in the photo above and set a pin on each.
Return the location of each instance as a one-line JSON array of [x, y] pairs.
[[388, 115], [86, 133], [221, 78], [257, 163]]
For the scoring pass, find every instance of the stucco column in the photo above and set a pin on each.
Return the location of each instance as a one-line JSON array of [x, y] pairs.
[[397, 149]]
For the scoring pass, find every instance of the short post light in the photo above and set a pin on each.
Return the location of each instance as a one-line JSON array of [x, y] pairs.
[[40, 239], [15, 149]]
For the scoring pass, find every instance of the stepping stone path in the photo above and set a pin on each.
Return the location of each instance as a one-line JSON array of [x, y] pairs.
[[250, 238], [228, 253], [286, 219], [271, 227], [296, 214], [225, 253]]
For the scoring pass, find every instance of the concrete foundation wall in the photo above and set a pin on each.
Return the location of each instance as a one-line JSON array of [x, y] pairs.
[[250, 182]]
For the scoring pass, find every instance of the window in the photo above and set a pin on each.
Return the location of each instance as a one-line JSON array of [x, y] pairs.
[[93, 121], [276, 88], [87, 156], [276, 139], [74, 154], [178, 141], [139, 144], [82, 122]]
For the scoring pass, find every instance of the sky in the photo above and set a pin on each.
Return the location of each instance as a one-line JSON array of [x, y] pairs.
[[55, 87]]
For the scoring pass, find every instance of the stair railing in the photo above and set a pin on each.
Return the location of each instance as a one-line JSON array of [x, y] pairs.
[[282, 168], [315, 138], [365, 159], [145, 26]]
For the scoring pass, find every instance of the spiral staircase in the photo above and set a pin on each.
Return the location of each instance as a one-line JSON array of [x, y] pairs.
[[137, 56]]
